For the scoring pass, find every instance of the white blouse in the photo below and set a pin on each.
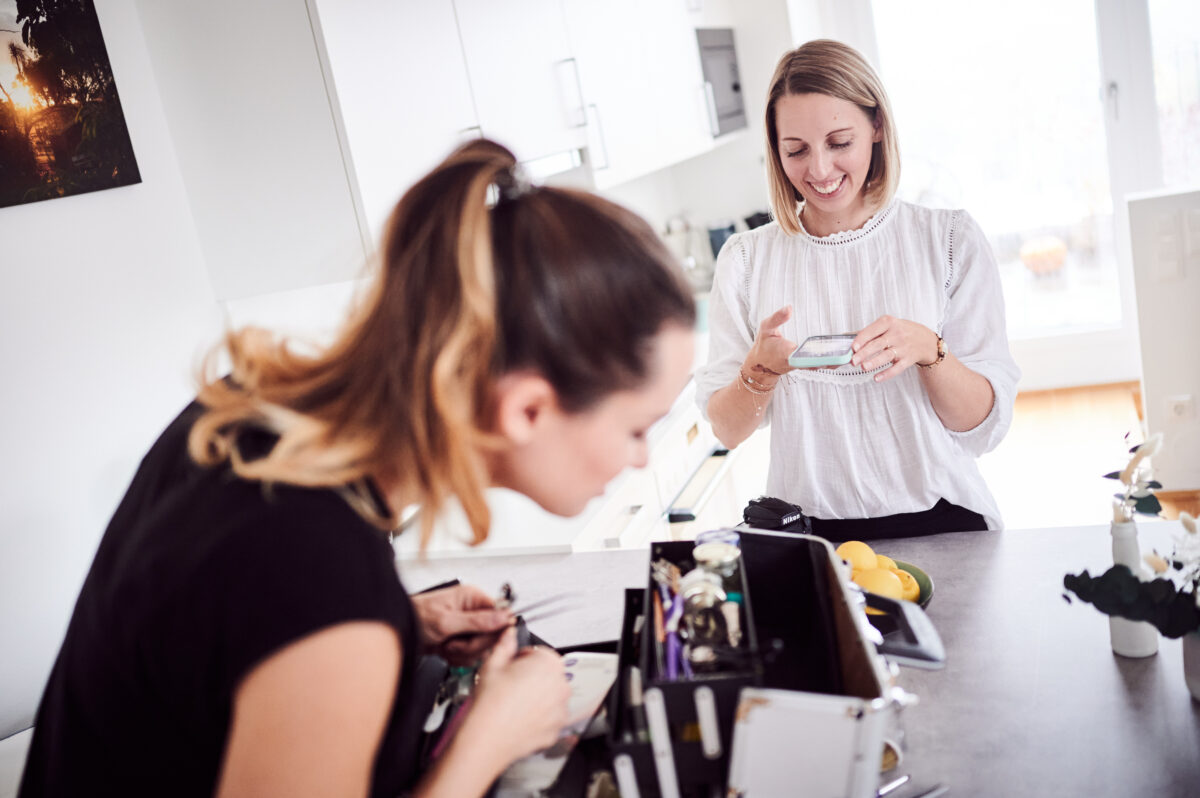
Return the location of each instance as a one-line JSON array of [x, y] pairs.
[[842, 445]]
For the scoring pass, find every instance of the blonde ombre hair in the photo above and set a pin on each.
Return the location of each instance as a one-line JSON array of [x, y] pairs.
[[825, 66], [556, 281]]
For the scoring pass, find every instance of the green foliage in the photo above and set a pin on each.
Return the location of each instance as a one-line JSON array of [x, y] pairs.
[[1138, 496], [1119, 593], [71, 62], [1147, 505]]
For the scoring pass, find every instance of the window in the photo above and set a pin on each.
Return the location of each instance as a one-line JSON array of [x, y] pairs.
[[1010, 125]]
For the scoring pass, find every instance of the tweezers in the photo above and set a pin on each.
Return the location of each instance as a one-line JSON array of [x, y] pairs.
[[546, 607]]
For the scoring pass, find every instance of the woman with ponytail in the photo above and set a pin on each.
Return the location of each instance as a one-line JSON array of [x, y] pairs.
[[242, 630]]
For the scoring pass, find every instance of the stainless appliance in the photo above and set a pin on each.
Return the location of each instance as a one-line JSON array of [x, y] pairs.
[[722, 85]]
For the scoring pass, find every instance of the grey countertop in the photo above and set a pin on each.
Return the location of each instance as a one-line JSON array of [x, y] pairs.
[[1032, 701]]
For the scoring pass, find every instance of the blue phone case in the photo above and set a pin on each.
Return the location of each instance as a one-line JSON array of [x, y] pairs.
[[823, 350]]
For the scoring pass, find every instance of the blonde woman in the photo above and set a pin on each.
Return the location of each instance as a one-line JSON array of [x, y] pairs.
[[885, 445], [242, 631]]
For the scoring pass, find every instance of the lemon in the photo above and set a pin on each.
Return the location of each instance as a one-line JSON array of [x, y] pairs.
[[880, 582], [858, 554], [885, 562], [910, 590]]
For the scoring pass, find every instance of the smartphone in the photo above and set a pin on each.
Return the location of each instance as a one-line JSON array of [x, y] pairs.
[[823, 350]]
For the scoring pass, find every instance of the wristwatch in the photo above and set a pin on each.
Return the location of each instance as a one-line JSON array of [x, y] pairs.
[[942, 350]]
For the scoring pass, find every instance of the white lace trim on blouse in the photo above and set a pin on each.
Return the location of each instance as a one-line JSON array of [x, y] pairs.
[[850, 236]]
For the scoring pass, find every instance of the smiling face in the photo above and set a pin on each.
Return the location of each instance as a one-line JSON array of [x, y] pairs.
[[562, 460], [825, 146]]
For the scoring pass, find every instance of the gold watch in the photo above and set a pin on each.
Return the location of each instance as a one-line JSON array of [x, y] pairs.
[[942, 350]]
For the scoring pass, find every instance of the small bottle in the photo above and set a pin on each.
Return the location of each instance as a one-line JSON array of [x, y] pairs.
[[718, 551], [706, 627]]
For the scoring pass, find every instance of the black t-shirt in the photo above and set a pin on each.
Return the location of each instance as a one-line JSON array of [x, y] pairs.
[[199, 577]]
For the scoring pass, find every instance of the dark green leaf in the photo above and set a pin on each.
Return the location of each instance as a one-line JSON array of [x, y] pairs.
[[1154, 484], [1113, 475], [1148, 505], [1135, 448]]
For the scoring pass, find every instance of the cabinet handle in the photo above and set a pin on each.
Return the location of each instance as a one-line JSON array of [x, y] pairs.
[[710, 103], [601, 147], [676, 514], [572, 89], [468, 133], [634, 512]]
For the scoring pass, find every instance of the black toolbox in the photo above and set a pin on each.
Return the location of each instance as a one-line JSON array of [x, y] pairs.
[[807, 638]]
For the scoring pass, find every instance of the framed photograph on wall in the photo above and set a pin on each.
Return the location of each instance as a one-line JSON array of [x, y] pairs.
[[62, 130]]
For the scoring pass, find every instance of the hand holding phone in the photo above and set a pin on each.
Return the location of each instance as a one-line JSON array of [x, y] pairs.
[[823, 350]]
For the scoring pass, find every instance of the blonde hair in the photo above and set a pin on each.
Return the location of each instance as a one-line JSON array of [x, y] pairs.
[[825, 66], [557, 281]]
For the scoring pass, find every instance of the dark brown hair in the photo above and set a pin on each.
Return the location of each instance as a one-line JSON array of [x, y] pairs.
[[556, 281]]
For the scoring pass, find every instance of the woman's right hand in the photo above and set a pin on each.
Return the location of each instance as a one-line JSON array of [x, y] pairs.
[[522, 696], [768, 357]]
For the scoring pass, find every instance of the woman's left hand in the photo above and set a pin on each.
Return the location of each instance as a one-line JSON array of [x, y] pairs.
[[459, 623], [897, 341]]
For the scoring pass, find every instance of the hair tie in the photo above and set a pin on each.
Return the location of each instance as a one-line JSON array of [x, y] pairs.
[[513, 183]]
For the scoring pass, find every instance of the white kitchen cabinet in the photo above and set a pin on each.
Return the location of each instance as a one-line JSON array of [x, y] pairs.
[[523, 76], [245, 95], [682, 125], [629, 516], [402, 90], [722, 486], [639, 67]]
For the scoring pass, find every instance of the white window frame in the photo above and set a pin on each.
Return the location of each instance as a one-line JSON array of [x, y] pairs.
[[1134, 165]]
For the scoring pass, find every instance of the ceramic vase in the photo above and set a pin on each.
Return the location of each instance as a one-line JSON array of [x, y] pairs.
[[1130, 638], [1191, 662]]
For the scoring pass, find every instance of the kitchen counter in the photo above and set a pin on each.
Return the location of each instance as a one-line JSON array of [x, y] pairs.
[[1032, 700]]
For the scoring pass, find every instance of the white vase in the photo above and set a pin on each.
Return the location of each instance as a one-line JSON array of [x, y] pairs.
[[1130, 638], [1191, 662]]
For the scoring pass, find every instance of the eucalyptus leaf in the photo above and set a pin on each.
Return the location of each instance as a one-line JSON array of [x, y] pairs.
[[1113, 475], [1154, 484]]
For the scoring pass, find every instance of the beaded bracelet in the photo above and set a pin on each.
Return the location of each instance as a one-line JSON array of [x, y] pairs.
[[753, 386]]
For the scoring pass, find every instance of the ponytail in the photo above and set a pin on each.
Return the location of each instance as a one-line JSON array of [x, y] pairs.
[[466, 291]]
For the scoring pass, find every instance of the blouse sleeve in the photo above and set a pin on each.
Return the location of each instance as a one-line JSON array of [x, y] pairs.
[[730, 333], [974, 330]]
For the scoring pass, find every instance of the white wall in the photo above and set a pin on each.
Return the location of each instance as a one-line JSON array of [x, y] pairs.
[[104, 307]]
